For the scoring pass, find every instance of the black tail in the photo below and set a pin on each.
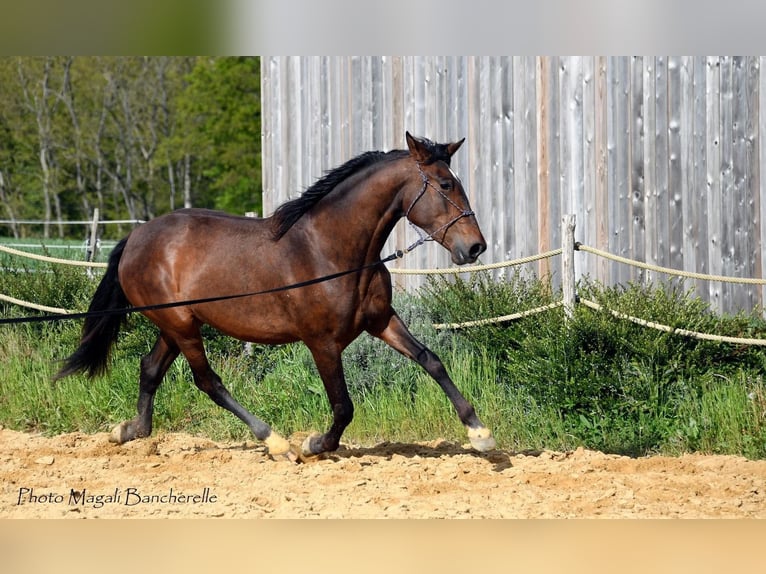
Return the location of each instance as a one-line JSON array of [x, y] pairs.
[[100, 333]]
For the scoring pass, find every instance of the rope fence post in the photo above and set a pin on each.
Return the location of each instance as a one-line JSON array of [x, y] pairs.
[[567, 264], [90, 255]]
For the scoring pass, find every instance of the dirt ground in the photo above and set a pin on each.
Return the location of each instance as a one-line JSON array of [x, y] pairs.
[[176, 475]]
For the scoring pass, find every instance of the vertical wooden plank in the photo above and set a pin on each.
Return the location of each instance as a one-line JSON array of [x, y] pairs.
[[740, 223], [267, 116], [543, 160], [295, 127], [398, 124], [277, 160], [524, 240], [571, 144], [345, 127], [463, 163], [371, 138], [650, 158], [487, 167], [305, 91], [356, 106], [576, 134], [662, 166], [329, 95], [384, 137], [698, 190], [752, 176], [675, 175], [612, 216], [761, 157], [507, 167], [554, 164], [637, 167], [618, 126], [313, 88], [589, 220], [564, 104], [492, 144], [462, 112], [325, 118], [728, 198], [601, 206], [713, 177], [685, 163]]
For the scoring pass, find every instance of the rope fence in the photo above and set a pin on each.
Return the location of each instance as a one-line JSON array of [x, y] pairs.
[[674, 330], [502, 319], [568, 301], [667, 270], [475, 268], [35, 306], [47, 259]]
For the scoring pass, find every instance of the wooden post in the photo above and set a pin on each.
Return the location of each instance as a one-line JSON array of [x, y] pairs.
[[91, 255], [567, 264]]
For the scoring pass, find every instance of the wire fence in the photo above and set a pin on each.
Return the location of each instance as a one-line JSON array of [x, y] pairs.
[[568, 301]]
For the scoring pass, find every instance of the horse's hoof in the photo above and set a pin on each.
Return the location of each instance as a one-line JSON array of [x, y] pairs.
[[121, 433], [481, 439], [306, 449], [291, 455], [483, 444]]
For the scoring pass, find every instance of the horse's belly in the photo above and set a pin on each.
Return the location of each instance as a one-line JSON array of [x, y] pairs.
[[249, 324]]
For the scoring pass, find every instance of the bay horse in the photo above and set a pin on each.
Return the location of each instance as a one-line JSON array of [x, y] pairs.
[[338, 226]]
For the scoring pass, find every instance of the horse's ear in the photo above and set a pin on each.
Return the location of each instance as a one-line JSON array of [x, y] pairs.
[[453, 147], [418, 149]]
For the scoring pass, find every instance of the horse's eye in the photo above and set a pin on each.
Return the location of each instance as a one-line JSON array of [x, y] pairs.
[[446, 185]]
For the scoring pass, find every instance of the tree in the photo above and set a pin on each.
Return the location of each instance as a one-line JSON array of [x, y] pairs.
[[133, 136], [220, 130]]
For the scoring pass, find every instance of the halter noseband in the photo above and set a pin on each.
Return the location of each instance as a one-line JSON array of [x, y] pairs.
[[422, 237]]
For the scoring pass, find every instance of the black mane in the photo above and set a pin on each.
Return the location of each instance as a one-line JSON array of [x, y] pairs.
[[291, 211]]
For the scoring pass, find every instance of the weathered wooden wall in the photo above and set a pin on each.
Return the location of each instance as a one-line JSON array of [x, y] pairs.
[[658, 157]]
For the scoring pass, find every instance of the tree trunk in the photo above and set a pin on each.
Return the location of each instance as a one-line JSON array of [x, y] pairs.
[[8, 207], [187, 181]]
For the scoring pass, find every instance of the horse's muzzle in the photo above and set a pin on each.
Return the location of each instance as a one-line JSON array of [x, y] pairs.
[[463, 254]]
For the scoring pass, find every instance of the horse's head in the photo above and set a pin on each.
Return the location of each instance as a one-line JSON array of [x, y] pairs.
[[436, 201]]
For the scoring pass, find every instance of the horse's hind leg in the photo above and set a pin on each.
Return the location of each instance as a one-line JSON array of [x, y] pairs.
[[153, 369], [210, 383], [398, 336]]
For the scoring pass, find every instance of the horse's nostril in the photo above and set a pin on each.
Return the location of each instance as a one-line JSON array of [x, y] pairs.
[[476, 250]]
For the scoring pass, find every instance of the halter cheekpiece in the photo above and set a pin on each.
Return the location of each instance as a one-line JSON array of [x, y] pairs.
[[423, 237]]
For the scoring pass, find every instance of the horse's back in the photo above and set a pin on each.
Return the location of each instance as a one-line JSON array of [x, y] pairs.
[[188, 250], [194, 230]]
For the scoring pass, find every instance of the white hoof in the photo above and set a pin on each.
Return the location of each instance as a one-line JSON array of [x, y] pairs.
[[481, 439], [276, 444], [119, 434]]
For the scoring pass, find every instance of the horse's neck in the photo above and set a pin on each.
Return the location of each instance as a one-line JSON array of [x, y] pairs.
[[361, 217]]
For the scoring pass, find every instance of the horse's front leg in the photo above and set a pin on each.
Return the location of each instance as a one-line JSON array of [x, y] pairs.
[[330, 367], [396, 334]]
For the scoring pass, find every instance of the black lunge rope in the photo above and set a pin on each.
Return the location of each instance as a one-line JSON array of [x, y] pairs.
[[127, 310]]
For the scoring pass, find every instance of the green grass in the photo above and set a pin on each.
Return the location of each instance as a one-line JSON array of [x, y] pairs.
[[537, 383]]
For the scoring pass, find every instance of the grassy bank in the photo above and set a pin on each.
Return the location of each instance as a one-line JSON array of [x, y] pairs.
[[538, 382]]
